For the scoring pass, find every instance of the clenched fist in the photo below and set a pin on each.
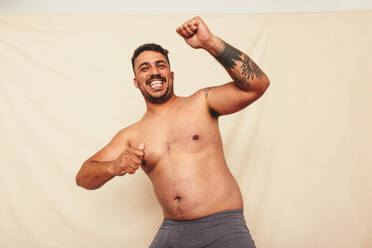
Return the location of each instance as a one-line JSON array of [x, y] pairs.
[[129, 161], [195, 32]]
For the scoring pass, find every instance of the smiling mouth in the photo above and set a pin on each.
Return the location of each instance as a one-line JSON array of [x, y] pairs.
[[156, 84]]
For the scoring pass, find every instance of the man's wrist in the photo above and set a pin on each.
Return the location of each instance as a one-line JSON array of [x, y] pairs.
[[111, 168], [215, 46]]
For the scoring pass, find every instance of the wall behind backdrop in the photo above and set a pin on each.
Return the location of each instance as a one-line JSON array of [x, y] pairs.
[[177, 7], [301, 153]]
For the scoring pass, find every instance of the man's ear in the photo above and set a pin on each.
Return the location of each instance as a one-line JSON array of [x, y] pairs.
[[135, 83], [172, 76]]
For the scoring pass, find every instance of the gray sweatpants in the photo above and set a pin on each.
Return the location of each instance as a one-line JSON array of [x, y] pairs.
[[226, 229]]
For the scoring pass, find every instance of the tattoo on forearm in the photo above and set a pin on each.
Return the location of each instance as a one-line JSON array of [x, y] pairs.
[[230, 55], [250, 69]]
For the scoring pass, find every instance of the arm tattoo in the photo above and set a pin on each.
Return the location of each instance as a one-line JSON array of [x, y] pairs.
[[230, 55], [250, 69], [206, 91]]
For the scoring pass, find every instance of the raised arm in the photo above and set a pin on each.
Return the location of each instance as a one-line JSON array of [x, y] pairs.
[[115, 159], [249, 81]]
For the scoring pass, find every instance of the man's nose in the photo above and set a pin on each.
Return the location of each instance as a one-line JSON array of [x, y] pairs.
[[154, 70]]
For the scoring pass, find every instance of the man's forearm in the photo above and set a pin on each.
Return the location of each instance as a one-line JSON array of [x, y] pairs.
[[242, 69], [94, 174]]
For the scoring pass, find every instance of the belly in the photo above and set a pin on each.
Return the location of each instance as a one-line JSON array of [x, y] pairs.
[[191, 187]]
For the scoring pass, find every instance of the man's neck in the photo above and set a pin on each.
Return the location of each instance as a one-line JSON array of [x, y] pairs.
[[160, 108]]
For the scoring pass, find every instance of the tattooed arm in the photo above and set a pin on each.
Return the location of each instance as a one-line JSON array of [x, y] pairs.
[[245, 73], [249, 81]]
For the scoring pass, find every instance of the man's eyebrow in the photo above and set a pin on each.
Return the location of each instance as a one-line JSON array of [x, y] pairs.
[[144, 63], [156, 62], [160, 61]]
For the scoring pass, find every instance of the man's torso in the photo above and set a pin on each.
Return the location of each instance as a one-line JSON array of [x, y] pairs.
[[185, 162]]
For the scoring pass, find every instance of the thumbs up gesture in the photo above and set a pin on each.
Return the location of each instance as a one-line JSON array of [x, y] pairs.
[[129, 160]]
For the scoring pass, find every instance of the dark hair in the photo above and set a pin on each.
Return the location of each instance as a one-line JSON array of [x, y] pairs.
[[149, 47]]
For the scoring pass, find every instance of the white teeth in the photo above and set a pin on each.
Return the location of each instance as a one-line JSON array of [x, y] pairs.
[[156, 85], [156, 82]]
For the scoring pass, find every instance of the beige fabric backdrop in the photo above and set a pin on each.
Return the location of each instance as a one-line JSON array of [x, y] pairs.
[[301, 154]]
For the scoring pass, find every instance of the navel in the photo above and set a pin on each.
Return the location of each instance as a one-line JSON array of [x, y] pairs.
[[177, 198], [195, 137]]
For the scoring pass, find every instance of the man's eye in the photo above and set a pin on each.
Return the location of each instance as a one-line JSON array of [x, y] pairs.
[[144, 68], [161, 66]]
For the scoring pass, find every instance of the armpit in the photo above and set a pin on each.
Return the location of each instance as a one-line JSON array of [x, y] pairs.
[[213, 113]]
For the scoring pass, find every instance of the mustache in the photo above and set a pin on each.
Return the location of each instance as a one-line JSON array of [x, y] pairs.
[[155, 77]]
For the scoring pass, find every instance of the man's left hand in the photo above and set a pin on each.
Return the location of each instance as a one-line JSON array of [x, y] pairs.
[[195, 32]]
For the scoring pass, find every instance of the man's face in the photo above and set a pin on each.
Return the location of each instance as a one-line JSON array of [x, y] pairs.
[[153, 76]]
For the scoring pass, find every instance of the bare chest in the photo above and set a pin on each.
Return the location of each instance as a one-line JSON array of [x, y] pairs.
[[169, 139]]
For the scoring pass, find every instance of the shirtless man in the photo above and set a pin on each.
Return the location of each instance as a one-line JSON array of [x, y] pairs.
[[178, 145]]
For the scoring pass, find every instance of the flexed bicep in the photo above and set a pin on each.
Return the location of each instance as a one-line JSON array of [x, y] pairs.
[[228, 98]]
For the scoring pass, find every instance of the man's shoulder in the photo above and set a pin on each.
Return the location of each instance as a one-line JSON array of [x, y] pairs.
[[129, 130], [200, 99], [198, 96]]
